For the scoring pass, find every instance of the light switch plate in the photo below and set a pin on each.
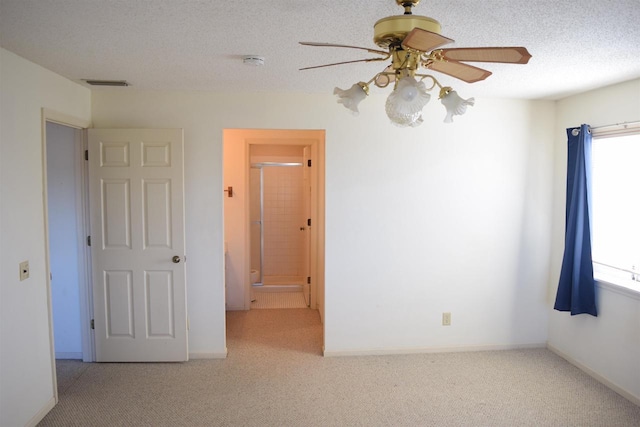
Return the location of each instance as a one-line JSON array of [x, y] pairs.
[[24, 270]]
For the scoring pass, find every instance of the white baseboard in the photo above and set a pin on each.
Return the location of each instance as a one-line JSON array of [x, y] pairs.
[[425, 350], [621, 391], [41, 413], [197, 356], [69, 355]]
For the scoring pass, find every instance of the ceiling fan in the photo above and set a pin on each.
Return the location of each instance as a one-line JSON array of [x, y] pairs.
[[413, 42]]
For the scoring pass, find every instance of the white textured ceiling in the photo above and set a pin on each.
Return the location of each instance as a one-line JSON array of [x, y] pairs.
[[198, 45]]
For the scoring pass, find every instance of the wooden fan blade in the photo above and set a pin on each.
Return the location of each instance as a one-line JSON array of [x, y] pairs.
[[379, 52], [344, 62], [423, 40], [464, 72], [508, 55]]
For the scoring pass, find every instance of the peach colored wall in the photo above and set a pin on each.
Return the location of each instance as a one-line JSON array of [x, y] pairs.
[[238, 144], [276, 153]]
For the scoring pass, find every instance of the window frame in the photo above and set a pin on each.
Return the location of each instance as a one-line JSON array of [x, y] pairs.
[[610, 277]]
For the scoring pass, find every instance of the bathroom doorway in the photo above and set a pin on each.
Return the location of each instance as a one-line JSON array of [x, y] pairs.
[[251, 160], [279, 201]]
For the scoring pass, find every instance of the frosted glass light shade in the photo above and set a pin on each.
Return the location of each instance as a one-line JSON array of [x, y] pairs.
[[351, 97], [404, 105], [454, 104]]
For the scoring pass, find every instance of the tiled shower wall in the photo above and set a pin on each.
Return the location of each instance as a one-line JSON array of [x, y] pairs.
[[283, 217]]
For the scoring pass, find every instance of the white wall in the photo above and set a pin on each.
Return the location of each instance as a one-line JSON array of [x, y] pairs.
[[608, 345], [444, 218], [63, 240], [455, 218], [26, 390], [419, 221]]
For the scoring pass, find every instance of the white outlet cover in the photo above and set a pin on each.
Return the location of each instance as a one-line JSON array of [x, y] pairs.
[[24, 270], [446, 319]]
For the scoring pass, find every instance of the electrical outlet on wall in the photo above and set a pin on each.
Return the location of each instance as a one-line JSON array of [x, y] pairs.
[[24, 270], [446, 319]]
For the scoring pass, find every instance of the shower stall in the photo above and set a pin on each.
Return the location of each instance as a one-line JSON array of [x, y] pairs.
[[278, 228]]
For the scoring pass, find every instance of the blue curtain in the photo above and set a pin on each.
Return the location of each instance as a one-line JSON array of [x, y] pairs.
[[577, 290]]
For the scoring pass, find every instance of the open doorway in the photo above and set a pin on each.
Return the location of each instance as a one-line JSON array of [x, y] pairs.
[[249, 153], [67, 256], [280, 247], [64, 208]]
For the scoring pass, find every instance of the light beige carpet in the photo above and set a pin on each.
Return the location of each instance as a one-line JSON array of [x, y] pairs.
[[274, 375], [68, 371]]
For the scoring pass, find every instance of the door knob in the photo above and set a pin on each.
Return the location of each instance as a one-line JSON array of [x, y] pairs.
[[175, 259]]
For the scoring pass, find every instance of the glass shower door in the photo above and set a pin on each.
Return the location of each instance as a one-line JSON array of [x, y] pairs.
[[255, 220]]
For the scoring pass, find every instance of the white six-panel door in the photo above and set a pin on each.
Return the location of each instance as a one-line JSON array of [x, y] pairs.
[[137, 244]]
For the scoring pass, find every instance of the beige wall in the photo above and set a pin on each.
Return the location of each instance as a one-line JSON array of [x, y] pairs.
[[26, 382]]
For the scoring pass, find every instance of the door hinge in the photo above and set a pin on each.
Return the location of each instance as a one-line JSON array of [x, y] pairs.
[[88, 240], [93, 324], [308, 280], [86, 154], [309, 163], [309, 222]]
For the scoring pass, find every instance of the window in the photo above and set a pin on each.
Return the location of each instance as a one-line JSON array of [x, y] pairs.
[[616, 207]]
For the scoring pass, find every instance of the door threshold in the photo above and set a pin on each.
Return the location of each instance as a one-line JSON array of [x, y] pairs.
[[277, 288]]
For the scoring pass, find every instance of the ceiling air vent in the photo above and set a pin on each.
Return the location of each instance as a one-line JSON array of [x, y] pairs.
[[106, 82]]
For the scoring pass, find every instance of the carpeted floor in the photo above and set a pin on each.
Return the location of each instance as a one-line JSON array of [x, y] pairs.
[[274, 375], [68, 371]]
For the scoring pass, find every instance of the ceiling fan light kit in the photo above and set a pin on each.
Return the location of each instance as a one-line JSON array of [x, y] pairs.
[[351, 97], [404, 105], [412, 42]]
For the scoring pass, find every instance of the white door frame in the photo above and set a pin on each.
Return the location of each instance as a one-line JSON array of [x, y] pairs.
[[84, 261]]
